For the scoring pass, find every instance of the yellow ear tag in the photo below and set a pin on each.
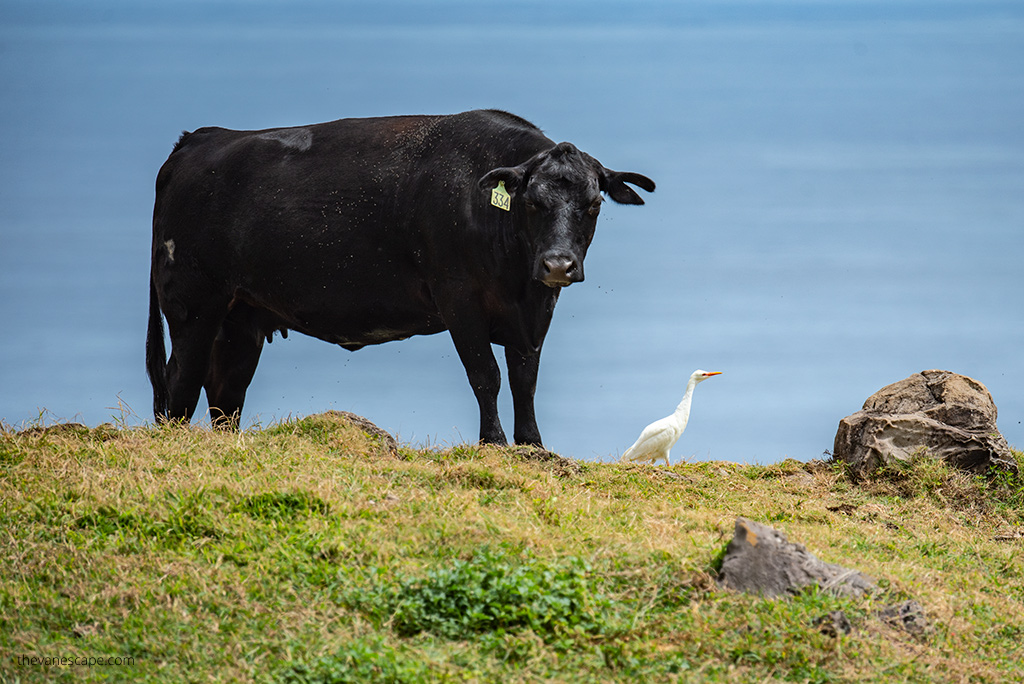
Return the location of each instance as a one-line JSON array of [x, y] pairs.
[[500, 197]]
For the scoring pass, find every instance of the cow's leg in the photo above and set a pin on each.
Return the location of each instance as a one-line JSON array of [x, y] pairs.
[[522, 380], [192, 337], [236, 352], [474, 348]]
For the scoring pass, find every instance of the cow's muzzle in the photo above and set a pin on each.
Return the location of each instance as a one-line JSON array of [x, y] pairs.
[[560, 270]]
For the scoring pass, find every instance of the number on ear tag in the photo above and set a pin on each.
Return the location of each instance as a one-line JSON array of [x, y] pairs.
[[500, 197]]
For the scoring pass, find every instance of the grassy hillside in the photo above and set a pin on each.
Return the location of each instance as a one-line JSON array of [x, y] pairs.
[[309, 552]]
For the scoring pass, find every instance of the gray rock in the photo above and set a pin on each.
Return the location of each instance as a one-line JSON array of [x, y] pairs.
[[833, 624], [948, 416], [908, 616], [759, 560]]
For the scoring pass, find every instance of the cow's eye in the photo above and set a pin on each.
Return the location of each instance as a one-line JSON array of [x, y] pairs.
[[531, 205], [595, 207]]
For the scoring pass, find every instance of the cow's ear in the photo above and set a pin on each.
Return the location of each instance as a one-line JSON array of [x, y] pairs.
[[614, 183], [511, 175]]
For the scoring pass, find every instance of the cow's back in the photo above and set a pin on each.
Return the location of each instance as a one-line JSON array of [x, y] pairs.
[[353, 167], [382, 149]]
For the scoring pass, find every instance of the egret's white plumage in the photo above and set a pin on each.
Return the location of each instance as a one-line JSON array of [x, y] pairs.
[[657, 439]]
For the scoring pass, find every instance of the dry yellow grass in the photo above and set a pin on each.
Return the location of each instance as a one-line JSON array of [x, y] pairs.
[[282, 554]]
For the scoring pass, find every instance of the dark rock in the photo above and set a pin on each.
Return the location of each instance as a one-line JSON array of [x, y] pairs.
[[908, 616], [562, 466], [834, 624], [760, 560], [58, 429], [948, 416]]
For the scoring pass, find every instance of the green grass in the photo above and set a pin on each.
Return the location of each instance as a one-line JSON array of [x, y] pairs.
[[305, 552]]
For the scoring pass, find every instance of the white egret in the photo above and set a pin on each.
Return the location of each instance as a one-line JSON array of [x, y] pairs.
[[657, 439]]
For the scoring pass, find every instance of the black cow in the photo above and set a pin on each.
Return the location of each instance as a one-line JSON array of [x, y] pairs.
[[362, 231]]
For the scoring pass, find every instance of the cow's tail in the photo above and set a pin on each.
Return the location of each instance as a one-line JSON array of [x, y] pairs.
[[156, 355]]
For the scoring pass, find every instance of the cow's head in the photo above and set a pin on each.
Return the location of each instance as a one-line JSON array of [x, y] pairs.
[[558, 191]]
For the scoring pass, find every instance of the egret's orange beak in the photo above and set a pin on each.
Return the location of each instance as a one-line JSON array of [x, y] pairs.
[[712, 373]]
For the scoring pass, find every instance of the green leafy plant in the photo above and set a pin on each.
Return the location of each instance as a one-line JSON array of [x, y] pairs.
[[492, 592]]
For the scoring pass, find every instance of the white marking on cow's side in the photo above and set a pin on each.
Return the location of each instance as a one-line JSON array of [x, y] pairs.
[[300, 139], [170, 249]]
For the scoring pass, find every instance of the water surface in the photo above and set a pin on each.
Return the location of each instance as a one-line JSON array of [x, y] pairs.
[[839, 202]]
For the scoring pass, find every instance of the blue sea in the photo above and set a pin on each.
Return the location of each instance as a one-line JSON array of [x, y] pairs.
[[840, 202]]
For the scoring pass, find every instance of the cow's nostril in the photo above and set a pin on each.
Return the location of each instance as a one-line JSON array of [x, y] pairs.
[[561, 270], [559, 266]]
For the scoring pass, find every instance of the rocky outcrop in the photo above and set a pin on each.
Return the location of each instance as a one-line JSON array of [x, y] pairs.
[[908, 616], [943, 414], [384, 438], [759, 560]]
